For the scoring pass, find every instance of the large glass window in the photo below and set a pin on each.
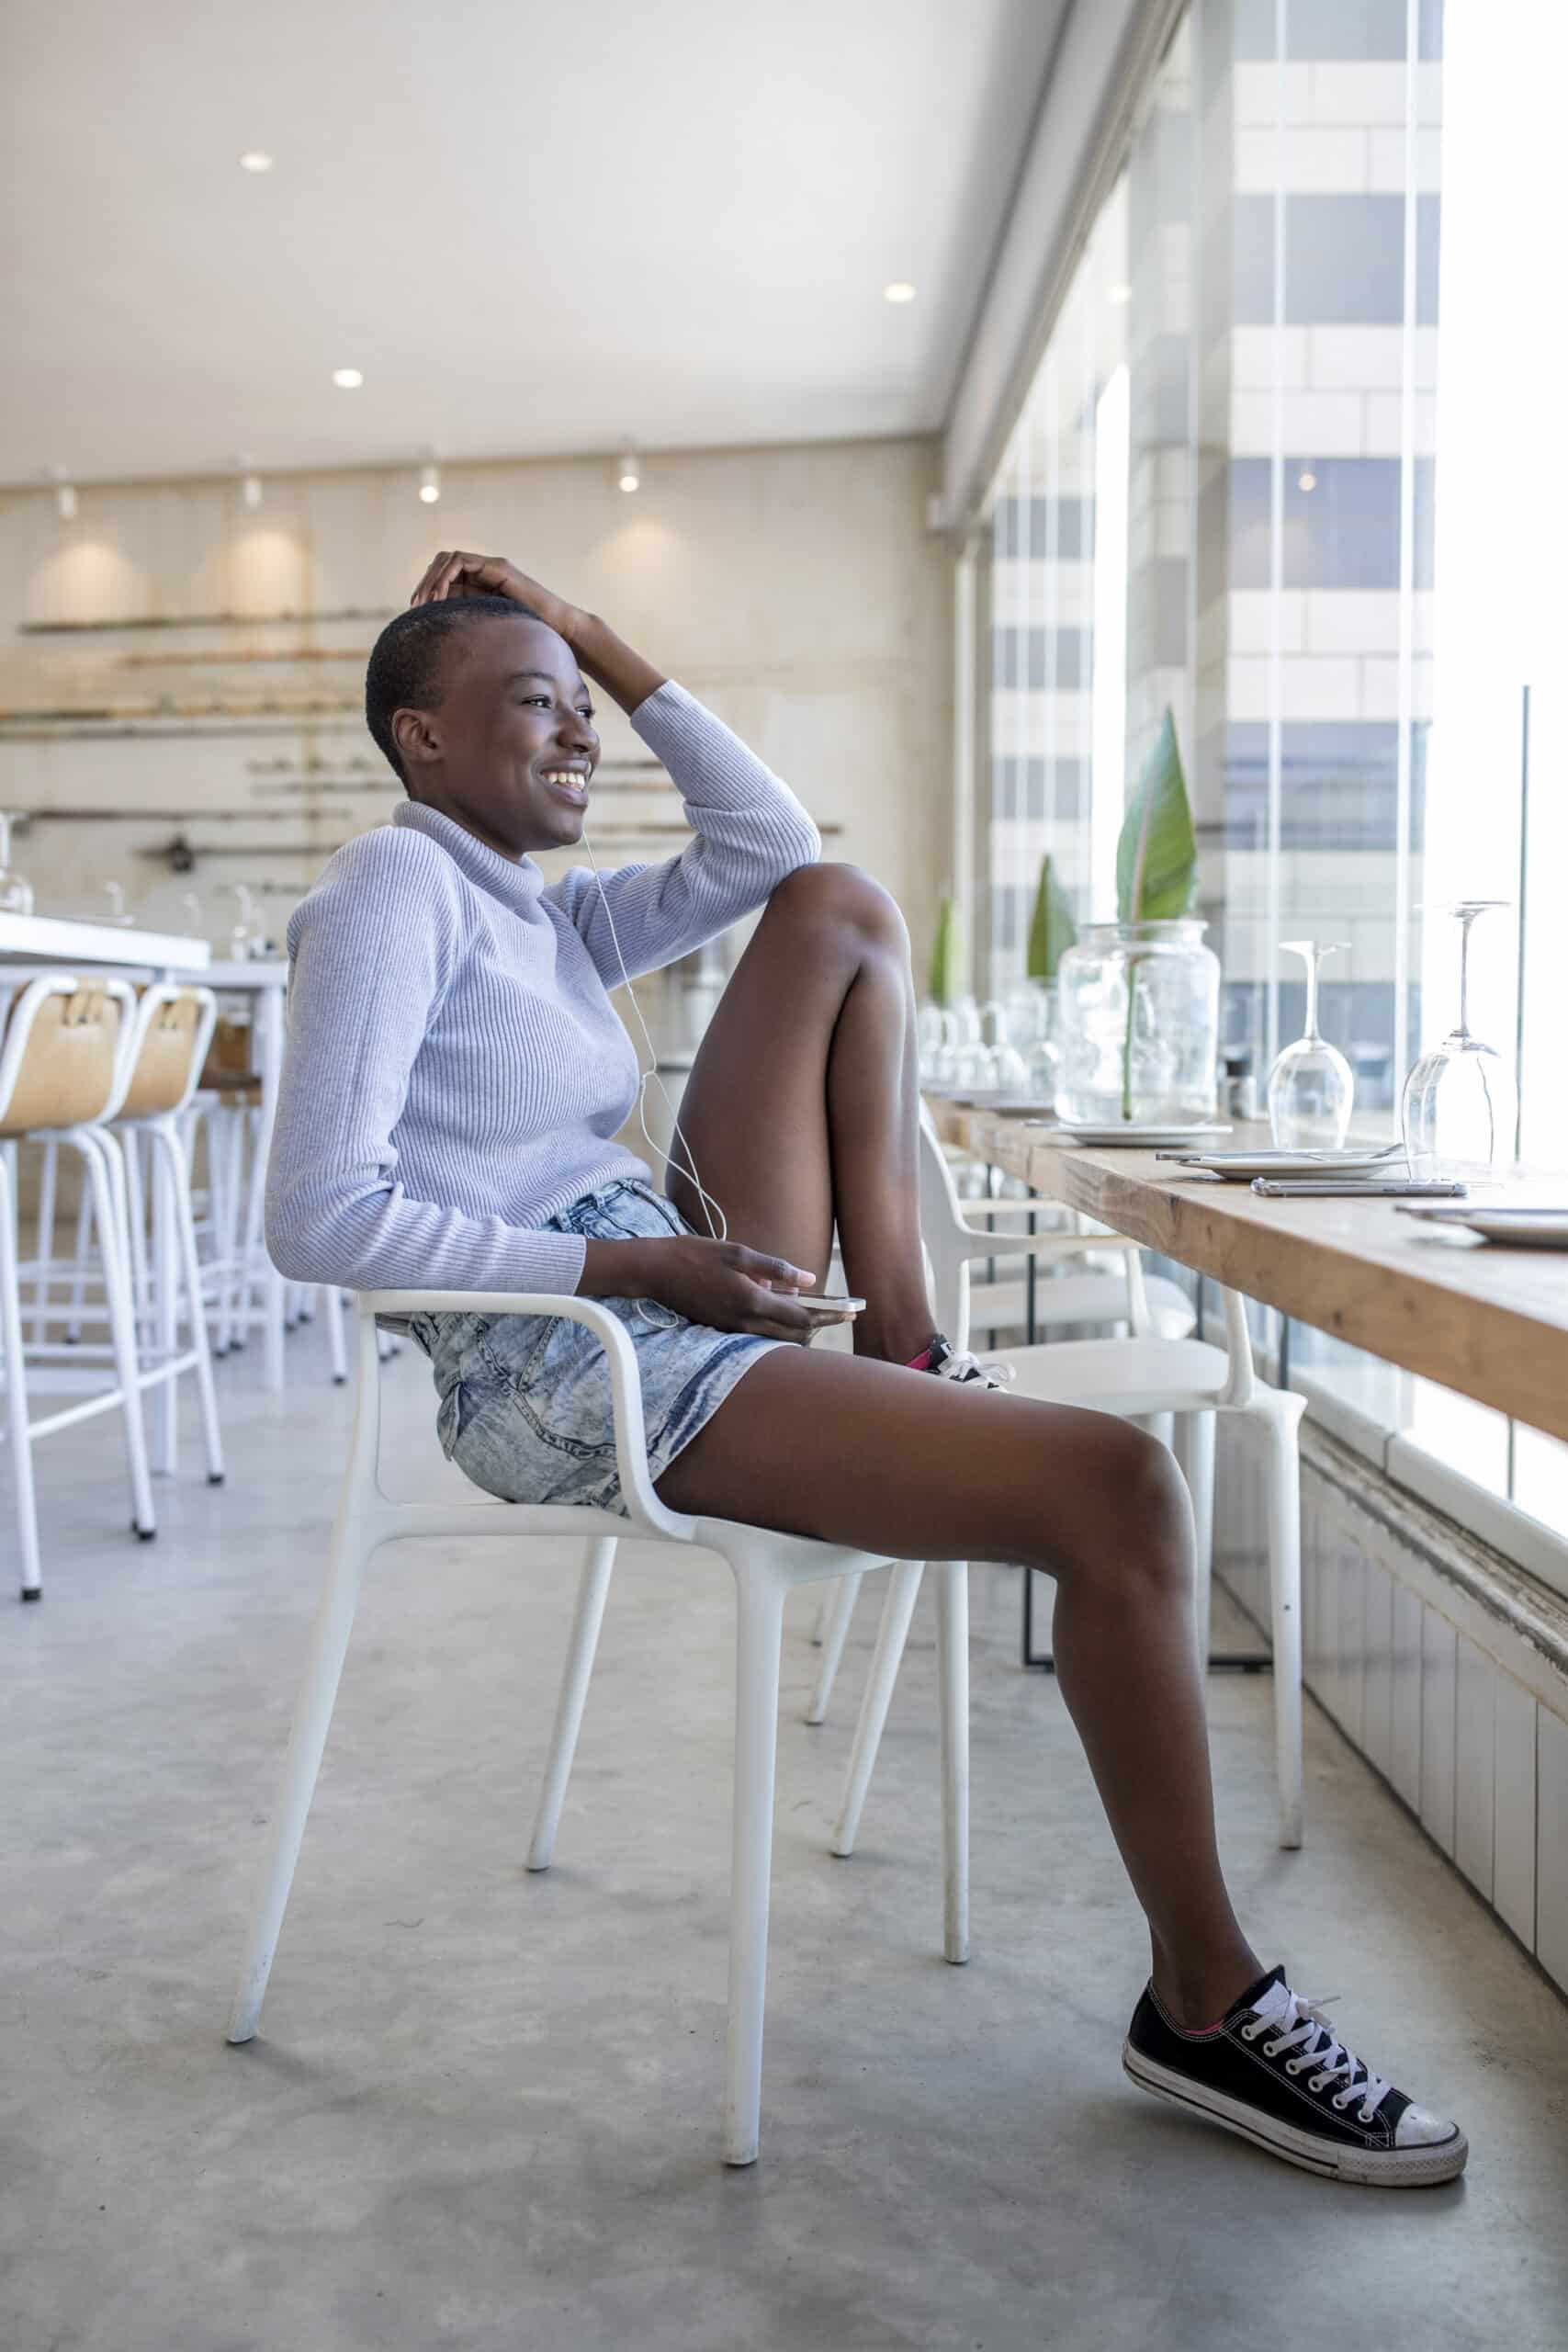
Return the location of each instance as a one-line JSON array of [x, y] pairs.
[[1289, 467]]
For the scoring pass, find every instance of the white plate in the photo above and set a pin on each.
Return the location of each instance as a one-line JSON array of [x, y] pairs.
[[1241, 1167], [1526, 1229], [1137, 1136]]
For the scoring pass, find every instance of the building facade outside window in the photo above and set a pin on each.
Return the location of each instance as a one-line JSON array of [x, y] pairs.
[[1287, 469]]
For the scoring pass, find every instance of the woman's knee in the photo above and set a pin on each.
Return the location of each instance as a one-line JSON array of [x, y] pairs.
[[844, 896], [1139, 1524]]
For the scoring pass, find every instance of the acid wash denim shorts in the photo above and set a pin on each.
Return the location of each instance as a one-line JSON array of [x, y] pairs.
[[526, 1407]]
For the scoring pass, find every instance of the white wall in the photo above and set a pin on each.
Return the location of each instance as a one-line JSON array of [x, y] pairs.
[[795, 589]]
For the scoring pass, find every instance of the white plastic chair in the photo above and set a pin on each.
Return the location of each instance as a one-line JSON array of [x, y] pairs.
[[1147, 1306], [766, 1567], [1144, 1378]]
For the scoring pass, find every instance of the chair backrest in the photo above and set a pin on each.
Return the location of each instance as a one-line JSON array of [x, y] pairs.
[[63, 1057], [950, 1244], [229, 1060], [174, 1028]]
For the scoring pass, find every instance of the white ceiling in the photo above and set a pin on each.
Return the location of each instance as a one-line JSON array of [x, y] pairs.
[[537, 229]]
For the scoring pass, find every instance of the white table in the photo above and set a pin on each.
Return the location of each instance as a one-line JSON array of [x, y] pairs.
[[52, 939]]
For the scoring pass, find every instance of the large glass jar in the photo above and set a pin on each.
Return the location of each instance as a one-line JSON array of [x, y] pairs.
[[1137, 1024]]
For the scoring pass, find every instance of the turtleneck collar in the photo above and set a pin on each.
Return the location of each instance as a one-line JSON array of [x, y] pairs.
[[516, 885]]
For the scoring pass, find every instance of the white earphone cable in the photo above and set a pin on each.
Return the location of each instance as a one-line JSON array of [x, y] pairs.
[[652, 1072]]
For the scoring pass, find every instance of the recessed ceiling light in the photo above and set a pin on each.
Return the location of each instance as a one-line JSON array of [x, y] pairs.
[[1119, 294], [1307, 480], [255, 159], [347, 380], [899, 292]]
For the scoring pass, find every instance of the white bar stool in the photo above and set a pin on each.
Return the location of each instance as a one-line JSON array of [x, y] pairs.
[[172, 1031], [64, 1064], [766, 1568]]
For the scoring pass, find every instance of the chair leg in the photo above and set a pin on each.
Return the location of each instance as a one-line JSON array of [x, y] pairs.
[[166, 1256], [48, 1180], [593, 1591], [232, 1149], [79, 1283], [135, 1239], [333, 1298], [824, 1611], [354, 1538], [898, 1608], [842, 1593], [952, 1665], [17, 1389], [1277, 1424], [106, 1175], [759, 1635], [1195, 1452], [167, 1139]]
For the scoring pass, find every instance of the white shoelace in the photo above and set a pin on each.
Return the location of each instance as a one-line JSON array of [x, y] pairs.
[[1299, 2026], [965, 1365]]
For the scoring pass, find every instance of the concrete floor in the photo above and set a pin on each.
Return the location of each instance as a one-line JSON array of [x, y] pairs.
[[483, 2111]]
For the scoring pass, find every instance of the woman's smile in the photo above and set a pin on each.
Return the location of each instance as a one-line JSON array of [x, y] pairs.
[[568, 779]]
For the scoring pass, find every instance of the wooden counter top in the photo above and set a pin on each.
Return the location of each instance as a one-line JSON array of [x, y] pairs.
[[1491, 1322]]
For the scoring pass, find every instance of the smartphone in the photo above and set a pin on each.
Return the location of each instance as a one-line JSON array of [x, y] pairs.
[[828, 1306], [1347, 1188]]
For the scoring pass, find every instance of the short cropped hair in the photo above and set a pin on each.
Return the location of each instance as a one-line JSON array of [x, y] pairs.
[[408, 659]]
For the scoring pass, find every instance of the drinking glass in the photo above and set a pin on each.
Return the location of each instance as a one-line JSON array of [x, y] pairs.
[[1311, 1086], [1007, 1068], [1457, 1115], [16, 895]]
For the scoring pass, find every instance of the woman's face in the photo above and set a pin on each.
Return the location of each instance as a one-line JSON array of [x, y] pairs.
[[509, 750]]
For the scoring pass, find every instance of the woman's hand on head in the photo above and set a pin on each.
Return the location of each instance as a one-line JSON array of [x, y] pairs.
[[453, 572], [721, 1283]]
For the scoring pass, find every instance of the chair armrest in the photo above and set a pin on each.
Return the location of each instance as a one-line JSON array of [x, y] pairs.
[[648, 1512], [977, 1243]]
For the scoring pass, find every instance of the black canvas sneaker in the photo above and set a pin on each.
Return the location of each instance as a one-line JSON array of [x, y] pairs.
[[1272, 2071], [949, 1363]]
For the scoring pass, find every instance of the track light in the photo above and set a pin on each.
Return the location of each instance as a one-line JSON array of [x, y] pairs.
[[430, 484], [64, 494], [250, 482], [628, 472]]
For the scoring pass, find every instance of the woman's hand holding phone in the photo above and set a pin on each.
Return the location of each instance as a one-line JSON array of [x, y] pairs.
[[721, 1283]]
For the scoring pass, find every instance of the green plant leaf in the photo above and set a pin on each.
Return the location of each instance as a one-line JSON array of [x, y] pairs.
[[1053, 930], [1157, 857], [946, 985]]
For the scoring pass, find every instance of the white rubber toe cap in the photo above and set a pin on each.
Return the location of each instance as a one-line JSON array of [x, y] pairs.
[[1418, 2130]]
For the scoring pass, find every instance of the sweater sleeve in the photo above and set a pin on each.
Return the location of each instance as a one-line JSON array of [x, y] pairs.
[[751, 832], [372, 950]]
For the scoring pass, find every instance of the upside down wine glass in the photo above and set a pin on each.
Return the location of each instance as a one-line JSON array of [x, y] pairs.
[[1458, 1111], [1311, 1086]]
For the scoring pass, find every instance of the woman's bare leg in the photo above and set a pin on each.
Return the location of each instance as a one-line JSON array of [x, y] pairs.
[[804, 1100], [803, 1105]]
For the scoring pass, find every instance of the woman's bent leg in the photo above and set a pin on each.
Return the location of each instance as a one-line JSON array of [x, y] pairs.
[[856, 1451], [803, 1105]]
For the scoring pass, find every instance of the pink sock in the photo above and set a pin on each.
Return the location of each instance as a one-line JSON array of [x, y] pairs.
[[920, 1363]]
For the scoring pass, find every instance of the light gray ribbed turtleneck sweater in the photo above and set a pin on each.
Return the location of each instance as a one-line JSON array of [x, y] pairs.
[[454, 1070]]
